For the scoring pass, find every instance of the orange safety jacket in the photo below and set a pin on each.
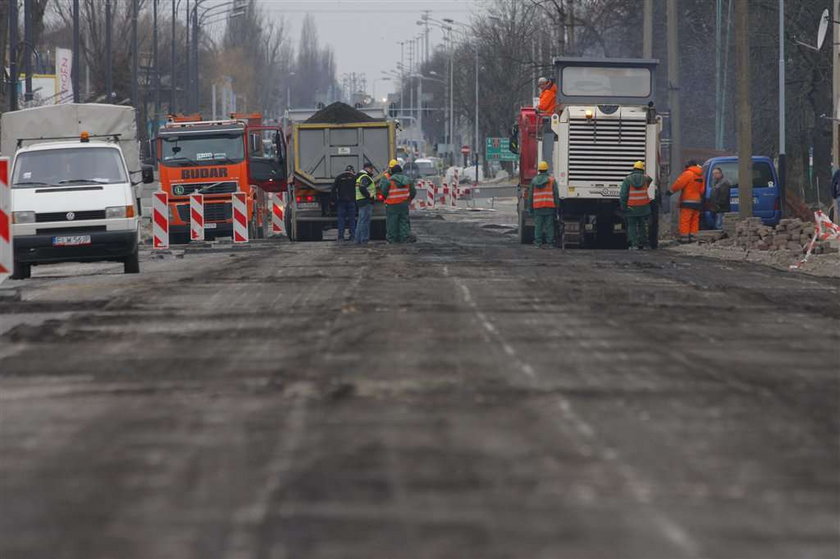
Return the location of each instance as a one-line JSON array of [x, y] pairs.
[[638, 196], [544, 195], [691, 186], [397, 194], [548, 100]]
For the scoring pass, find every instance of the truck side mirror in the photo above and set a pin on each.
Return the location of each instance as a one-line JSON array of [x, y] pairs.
[[148, 174]]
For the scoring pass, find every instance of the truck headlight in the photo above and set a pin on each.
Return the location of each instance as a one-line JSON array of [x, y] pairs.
[[118, 211], [23, 217]]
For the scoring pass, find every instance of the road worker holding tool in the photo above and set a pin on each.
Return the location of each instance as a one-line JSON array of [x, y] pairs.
[[635, 202], [543, 204], [691, 186]]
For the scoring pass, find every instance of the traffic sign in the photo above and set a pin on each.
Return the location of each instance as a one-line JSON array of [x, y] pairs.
[[498, 149], [465, 150]]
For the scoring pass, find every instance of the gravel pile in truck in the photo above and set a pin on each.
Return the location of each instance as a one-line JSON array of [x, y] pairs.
[[339, 113]]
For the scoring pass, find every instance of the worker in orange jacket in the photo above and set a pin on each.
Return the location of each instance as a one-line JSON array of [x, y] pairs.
[[548, 96], [691, 187]]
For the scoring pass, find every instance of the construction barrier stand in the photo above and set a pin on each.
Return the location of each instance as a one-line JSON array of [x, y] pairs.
[[6, 249], [196, 217], [240, 217], [276, 214], [160, 219]]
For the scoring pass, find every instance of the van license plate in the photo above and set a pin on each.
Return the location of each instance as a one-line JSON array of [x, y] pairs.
[[209, 225], [77, 240]]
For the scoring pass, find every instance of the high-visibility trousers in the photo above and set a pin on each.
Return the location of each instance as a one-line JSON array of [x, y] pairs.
[[689, 222]]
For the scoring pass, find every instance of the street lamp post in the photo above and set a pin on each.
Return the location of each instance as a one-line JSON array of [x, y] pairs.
[[109, 65], [76, 47], [13, 42]]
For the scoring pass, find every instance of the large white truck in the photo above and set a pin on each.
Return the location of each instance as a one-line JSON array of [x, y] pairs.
[[606, 123], [73, 199]]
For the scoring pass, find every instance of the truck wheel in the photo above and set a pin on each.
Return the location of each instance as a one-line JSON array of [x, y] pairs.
[[287, 222], [377, 230], [131, 264], [316, 232], [526, 232], [22, 270]]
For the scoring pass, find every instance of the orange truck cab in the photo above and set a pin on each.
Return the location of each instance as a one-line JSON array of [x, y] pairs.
[[217, 158]]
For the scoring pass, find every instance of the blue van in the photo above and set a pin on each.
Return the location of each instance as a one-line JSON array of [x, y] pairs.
[[766, 195]]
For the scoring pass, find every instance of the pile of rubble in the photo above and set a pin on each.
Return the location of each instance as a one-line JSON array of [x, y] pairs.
[[790, 235]]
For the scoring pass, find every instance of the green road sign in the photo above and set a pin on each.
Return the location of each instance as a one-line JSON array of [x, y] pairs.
[[498, 149]]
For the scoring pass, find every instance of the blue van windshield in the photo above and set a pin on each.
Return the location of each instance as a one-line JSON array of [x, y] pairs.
[[762, 173]]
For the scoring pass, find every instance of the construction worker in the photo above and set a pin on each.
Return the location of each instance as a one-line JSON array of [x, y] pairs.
[[635, 202], [344, 197], [691, 187], [543, 203], [399, 192], [365, 196], [548, 96]]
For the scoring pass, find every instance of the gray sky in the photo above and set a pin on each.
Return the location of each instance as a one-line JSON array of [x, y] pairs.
[[364, 33]]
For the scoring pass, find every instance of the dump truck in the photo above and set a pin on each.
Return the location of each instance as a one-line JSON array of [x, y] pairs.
[[606, 121], [217, 158], [320, 148]]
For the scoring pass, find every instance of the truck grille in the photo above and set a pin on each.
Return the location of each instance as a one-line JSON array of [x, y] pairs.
[[603, 151], [62, 216], [185, 189], [212, 212]]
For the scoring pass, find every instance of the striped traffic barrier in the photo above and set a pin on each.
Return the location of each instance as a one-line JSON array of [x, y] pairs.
[[160, 219], [276, 214], [6, 251], [240, 217], [430, 194], [454, 188], [196, 217]]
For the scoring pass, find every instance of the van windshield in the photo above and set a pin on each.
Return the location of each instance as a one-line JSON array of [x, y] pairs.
[[59, 167], [212, 149], [762, 174]]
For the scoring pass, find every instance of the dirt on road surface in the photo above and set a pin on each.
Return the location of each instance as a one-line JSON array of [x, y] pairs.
[[463, 396]]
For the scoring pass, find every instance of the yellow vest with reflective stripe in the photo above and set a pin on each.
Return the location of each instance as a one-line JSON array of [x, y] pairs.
[[371, 188]]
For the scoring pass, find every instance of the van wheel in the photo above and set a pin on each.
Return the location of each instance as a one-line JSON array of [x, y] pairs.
[[22, 270], [131, 264]]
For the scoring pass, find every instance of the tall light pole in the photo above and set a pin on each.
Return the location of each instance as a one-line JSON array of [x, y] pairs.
[[109, 64], [155, 61], [742, 48], [782, 113], [475, 143], [76, 48], [13, 43], [172, 64], [135, 94], [27, 39]]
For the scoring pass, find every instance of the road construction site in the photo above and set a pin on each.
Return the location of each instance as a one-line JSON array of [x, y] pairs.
[[461, 396]]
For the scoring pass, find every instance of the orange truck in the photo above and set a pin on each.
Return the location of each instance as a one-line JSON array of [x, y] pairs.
[[217, 158]]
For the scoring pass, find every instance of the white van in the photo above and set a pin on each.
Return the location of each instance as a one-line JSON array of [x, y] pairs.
[[72, 201]]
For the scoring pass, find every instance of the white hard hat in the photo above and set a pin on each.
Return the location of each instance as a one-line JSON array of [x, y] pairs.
[[542, 80]]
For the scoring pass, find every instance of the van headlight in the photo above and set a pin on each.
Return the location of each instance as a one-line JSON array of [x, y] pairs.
[[23, 217], [114, 212]]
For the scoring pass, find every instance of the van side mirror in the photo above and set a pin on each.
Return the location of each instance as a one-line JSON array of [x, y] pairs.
[[148, 174]]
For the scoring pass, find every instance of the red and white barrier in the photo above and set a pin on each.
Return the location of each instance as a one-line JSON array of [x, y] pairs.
[[431, 192], [196, 217], [240, 217], [276, 214], [160, 219], [456, 184], [6, 250], [825, 230]]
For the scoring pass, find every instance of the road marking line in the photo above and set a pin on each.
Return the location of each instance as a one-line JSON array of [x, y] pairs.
[[640, 489]]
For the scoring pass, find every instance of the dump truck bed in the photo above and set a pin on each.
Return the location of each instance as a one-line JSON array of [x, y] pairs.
[[323, 150]]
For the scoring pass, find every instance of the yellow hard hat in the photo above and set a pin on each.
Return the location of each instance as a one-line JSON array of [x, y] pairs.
[[393, 163], [543, 166], [639, 165]]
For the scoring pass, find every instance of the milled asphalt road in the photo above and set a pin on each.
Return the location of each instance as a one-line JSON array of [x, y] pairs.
[[463, 396]]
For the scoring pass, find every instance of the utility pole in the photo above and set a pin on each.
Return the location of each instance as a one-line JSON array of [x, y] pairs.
[[835, 98], [13, 43], [76, 48], [188, 75], [109, 65], [155, 61], [172, 65], [782, 111], [674, 88], [742, 48], [476, 114], [29, 47], [647, 39], [135, 94]]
